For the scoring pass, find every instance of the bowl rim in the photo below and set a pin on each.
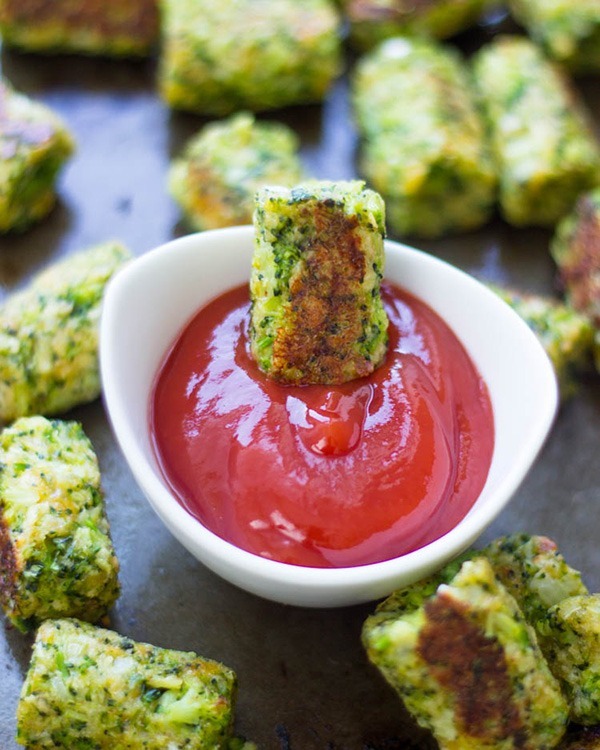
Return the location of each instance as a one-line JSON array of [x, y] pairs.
[[213, 550]]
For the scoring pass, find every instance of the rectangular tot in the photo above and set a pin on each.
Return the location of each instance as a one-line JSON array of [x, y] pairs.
[[220, 56], [49, 335], [372, 21], [91, 688], [568, 30], [566, 335], [56, 556], [34, 145], [424, 146], [542, 140], [111, 27], [467, 665], [317, 314], [223, 165]]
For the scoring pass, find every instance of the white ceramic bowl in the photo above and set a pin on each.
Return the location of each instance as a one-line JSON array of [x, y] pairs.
[[146, 306]]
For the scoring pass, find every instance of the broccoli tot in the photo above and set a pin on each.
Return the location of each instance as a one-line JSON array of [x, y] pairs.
[[570, 638], [566, 619], [112, 27], [317, 315], [372, 21], [568, 31], [575, 248], [467, 665], [566, 335], [56, 556], [91, 688], [542, 139], [49, 335], [220, 56], [534, 572], [215, 179], [429, 159], [35, 144]]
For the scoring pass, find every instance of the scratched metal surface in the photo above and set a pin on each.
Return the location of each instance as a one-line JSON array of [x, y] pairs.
[[304, 680]]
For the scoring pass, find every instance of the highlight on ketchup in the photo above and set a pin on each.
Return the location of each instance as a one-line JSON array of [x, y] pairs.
[[315, 475]]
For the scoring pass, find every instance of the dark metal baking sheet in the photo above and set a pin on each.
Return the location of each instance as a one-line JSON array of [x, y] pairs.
[[304, 680]]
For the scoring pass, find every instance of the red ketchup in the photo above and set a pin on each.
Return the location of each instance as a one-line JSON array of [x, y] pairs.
[[324, 476]]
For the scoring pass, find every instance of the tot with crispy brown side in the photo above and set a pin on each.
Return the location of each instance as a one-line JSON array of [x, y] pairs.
[[467, 665], [317, 314]]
